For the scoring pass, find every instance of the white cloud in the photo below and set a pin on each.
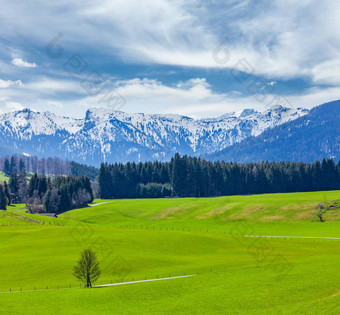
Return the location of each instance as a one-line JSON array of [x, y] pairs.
[[41, 93], [315, 96], [55, 104], [280, 39], [194, 98], [21, 63], [8, 83], [52, 86], [10, 106], [292, 39]]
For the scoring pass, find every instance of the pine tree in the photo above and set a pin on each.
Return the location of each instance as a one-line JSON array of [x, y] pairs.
[[178, 175], [14, 187], [21, 166], [2, 198], [105, 182], [32, 185], [13, 167], [7, 168], [7, 195], [51, 201]]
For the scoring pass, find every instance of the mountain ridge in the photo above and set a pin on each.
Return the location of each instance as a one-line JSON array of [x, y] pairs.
[[115, 136], [308, 138]]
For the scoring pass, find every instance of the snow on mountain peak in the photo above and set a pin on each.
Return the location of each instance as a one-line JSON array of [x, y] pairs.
[[27, 123], [110, 135]]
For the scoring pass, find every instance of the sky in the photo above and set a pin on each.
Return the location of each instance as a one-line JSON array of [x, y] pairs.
[[196, 57]]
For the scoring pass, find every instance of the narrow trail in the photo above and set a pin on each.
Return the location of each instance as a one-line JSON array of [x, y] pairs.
[[98, 204], [102, 285], [287, 236], [140, 281]]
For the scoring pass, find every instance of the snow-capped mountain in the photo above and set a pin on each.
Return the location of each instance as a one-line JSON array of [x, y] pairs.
[[113, 136], [309, 138]]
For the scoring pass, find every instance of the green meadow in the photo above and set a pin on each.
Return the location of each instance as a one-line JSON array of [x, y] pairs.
[[161, 238], [3, 177]]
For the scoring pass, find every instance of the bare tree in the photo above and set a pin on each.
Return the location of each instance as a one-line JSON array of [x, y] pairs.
[[87, 269], [321, 212], [95, 188], [22, 187], [33, 204]]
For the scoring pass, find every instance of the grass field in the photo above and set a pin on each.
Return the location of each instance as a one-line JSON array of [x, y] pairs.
[[3, 177], [138, 239]]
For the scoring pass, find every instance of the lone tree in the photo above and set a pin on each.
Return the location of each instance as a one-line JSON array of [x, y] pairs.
[[321, 212], [87, 269]]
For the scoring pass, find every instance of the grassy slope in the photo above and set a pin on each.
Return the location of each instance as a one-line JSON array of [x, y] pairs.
[[243, 279], [3, 177], [286, 213], [264, 208]]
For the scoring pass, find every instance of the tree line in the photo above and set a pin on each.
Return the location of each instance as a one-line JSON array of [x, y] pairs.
[[32, 164], [56, 195], [46, 194], [187, 176], [49, 166]]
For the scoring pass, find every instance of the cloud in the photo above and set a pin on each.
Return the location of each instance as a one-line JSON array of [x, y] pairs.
[[8, 83], [152, 96], [315, 96], [52, 86], [42, 93], [21, 63], [10, 106], [281, 40], [194, 98]]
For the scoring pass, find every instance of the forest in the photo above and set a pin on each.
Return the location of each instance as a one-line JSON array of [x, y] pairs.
[[50, 166], [186, 176], [183, 176], [43, 193]]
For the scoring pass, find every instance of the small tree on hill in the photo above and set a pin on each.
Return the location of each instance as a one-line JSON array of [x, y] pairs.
[[87, 269], [321, 212]]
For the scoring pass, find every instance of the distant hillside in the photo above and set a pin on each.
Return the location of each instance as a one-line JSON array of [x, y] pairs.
[[308, 138]]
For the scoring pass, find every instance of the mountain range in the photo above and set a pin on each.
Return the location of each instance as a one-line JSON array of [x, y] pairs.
[[308, 138], [114, 136]]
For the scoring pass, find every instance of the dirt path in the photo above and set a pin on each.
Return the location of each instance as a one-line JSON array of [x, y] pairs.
[[98, 204], [303, 237], [140, 281]]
